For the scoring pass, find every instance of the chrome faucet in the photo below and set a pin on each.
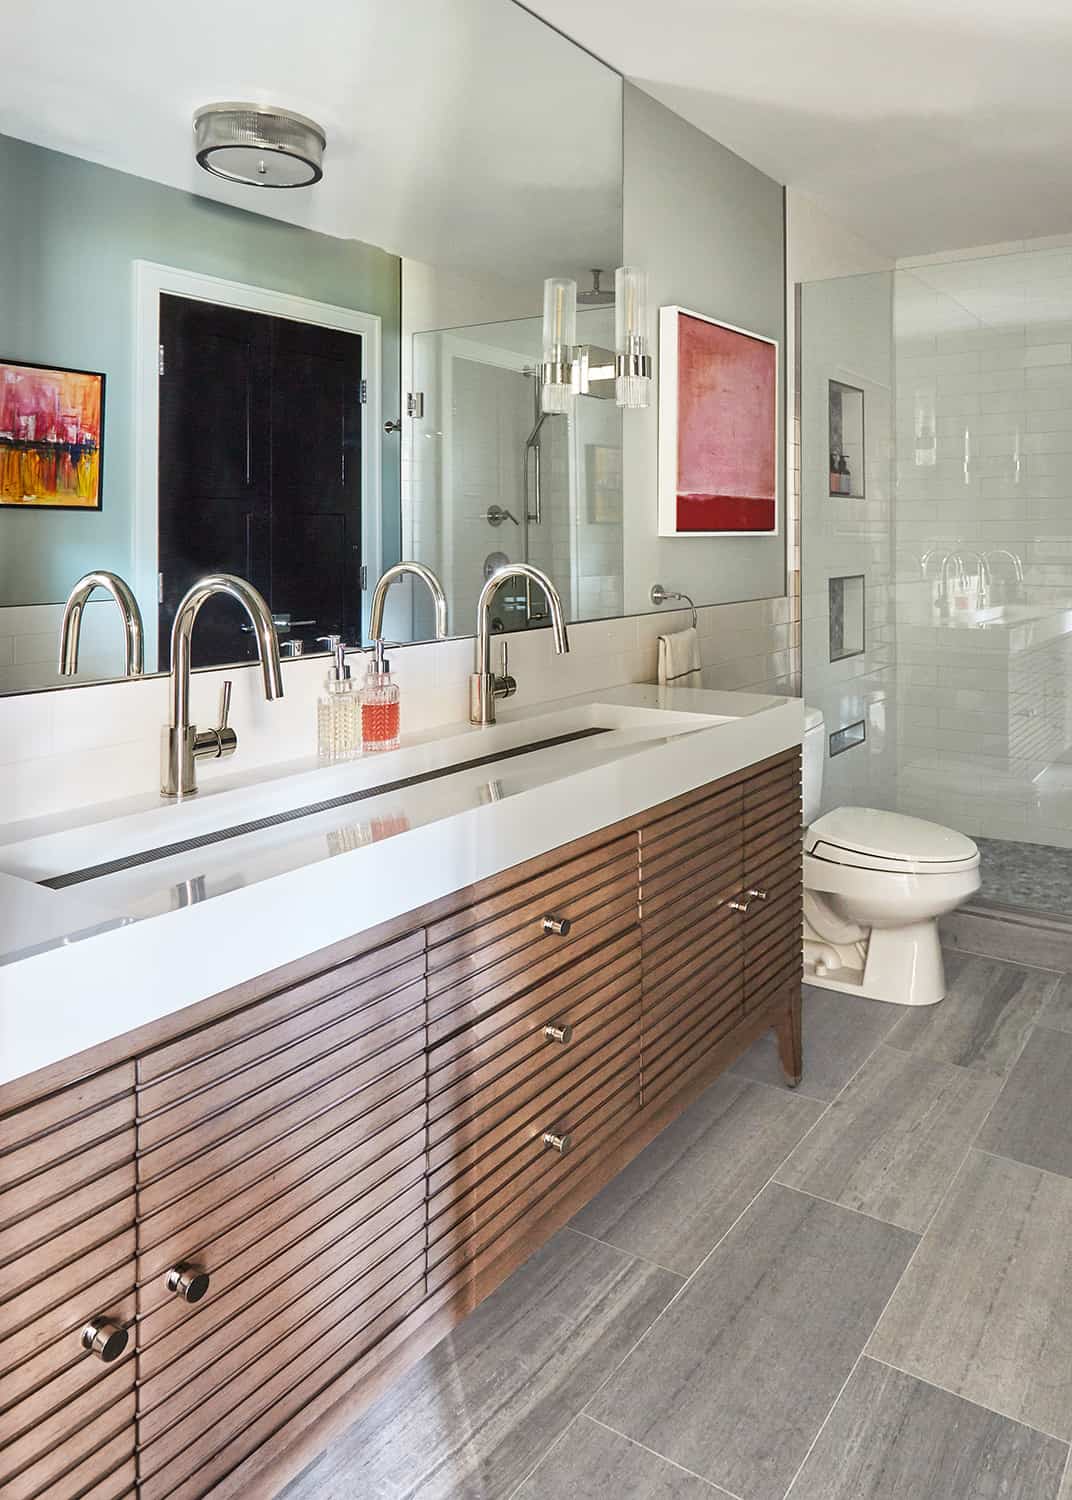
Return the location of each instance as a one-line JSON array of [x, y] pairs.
[[1014, 558], [484, 685], [428, 578], [182, 744], [71, 624], [956, 560]]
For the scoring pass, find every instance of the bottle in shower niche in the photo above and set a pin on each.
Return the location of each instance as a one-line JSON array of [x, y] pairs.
[[338, 733], [380, 707]]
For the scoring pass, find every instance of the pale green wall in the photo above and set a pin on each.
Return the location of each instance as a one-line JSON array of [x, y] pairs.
[[69, 234]]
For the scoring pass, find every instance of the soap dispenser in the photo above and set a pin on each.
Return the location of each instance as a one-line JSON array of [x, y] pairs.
[[380, 711], [337, 732]]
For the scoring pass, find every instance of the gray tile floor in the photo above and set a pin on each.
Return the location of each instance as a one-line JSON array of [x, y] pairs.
[[860, 1290]]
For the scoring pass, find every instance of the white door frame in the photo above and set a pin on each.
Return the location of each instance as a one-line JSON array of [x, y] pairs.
[[150, 280]]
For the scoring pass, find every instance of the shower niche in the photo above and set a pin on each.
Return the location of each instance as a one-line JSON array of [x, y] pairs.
[[846, 422]]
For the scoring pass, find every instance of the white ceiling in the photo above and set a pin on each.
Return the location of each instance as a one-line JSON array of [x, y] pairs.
[[461, 132], [924, 124]]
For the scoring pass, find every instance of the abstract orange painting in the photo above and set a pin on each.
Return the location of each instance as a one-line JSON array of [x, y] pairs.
[[51, 437]]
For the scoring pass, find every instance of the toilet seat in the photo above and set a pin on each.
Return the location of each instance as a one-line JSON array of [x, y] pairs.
[[869, 838]]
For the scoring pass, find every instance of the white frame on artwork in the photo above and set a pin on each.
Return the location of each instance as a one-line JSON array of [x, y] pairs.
[[668, 349]]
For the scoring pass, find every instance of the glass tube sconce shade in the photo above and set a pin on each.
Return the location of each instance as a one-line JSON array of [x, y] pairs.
[[559, 341], [632, 362]]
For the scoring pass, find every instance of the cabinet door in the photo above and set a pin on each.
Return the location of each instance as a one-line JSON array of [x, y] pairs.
[[67, 1241], [690, 873], [281, 1190], [772, 884]]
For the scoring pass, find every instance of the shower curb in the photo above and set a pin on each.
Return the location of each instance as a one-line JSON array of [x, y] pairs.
[[992, 930]]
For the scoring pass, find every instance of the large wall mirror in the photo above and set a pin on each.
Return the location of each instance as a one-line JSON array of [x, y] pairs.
[[198, 375]]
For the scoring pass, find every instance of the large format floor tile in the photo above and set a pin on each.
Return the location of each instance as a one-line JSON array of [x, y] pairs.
[[839, 1031], [474, 1416], [891, 1437], [593, 1463], [737, 1376], [984, 1309], [1057, 1011], [1032, 1120], [891, 1143], [679, 1196], [984, 1019]]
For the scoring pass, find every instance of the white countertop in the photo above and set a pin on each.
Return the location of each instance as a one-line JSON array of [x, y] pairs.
[[85, 963]]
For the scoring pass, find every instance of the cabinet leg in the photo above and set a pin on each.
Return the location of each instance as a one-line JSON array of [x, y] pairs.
[[787, 1030]]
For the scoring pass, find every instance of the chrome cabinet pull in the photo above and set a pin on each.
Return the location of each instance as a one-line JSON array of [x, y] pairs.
[[105, 1339], [740, 903], [559, 1031], [758, 894], [188, 1282], [560, 1141], [560, 926]]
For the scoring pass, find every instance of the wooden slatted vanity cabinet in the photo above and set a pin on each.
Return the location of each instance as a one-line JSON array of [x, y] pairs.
[[259, 1211]]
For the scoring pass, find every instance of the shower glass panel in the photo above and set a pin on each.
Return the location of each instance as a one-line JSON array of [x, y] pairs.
[[969, 569]]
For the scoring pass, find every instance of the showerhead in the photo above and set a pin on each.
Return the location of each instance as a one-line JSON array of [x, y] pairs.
[[596, 296]]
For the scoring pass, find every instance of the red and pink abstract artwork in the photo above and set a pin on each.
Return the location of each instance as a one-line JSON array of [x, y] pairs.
[[718, 464], [51, 435]]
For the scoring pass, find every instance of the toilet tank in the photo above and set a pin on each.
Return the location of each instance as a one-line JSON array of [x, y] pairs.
[[814, 751]]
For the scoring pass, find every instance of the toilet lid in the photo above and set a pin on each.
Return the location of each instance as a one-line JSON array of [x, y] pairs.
[[873, 839]]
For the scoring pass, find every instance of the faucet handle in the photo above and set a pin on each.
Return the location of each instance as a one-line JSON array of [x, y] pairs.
[[505, 685], [225, 703]]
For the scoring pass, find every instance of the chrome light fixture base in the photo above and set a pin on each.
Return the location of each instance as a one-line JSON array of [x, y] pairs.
[[259, 146]]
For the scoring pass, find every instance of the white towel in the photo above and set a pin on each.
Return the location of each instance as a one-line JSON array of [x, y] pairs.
[[679, 659]]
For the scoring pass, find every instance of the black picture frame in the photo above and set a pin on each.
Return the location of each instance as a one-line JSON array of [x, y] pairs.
[[30, 364]]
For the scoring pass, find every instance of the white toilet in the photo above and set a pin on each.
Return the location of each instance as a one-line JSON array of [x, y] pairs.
[[875, 884]]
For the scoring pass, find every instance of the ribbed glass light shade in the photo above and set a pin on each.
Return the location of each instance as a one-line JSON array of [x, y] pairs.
[[559, 341], [632, 384], [259, 147]]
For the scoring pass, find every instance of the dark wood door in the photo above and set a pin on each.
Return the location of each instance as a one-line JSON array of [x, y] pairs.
[[214, 466], [316, 479], [259, 472]]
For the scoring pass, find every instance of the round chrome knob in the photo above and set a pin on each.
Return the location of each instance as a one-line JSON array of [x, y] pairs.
[[757, 894], [559, 926], [556, 1031], [188, 1282], [105, 1339], [560, 1141], [740, 903]]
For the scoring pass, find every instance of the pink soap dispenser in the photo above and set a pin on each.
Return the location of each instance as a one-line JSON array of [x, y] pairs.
[[380, 706]]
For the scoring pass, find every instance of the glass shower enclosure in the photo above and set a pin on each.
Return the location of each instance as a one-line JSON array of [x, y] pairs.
[[937, 578]]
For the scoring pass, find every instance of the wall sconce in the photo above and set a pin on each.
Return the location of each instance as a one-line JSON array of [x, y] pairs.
[[557, 371], [632, 362]]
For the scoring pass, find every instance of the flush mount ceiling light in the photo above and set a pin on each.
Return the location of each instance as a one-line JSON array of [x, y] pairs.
[[259, 146]]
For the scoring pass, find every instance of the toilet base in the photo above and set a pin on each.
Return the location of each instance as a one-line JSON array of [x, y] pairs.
[[903, 965]]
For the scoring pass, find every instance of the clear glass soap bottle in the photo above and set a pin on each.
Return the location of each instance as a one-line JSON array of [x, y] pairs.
[[380, 708], [338, 731]]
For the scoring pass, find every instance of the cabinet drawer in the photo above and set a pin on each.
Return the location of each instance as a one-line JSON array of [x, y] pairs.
[[217, 1343], [461, 1245], [508, 955], [385, 1141], [509, 903], [568, 996], [463, 1205]]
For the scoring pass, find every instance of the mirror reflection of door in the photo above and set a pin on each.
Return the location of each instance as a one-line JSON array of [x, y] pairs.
[[259, 473]]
